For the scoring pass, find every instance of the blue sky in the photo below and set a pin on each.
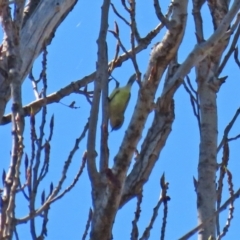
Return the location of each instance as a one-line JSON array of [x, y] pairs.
[[71, 56]]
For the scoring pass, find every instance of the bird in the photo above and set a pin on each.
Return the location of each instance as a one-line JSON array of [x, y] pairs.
[[118, 101]]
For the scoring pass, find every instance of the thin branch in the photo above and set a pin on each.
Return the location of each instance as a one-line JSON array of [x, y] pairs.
[[43, 233], [35, 106], [100, 87], [55, 192], [222, 173], [222, 208], [125, 6], [196, 12], [236, 57], [110, 69], [75, 180], [119, 15], [160, 15], [134, 34], [51, 127], [202, 50], [194, 102], [230, 51], [88, 224], [231, 207], [163, 198], [234, 138], [11, 29], [34, 84], [227, 129], [134, 233], [67, 164], [134, 29]]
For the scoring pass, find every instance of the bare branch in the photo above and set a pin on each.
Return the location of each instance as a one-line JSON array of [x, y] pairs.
[[227, 129], [54, 193], [222, 208], [196, 12], [134, 233], [119, 15], [161, 55], [68, 189], [222, 173], [230, 51], [236, 57], [160, 15], [133, 24], [194, 102], [202, 50], [163, 199], [11, 28], [100, 86], [88, 224], [35, 106], [125, 6], [231, 207], [43, 28], [234, 138]]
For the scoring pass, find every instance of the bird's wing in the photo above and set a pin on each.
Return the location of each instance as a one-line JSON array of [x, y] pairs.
[[127, 102], [113, 94]]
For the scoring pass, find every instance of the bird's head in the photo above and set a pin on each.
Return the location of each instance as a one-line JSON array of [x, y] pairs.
[[116, 122]]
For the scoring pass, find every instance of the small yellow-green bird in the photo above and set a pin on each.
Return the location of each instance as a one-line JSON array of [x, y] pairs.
[[118, 101]]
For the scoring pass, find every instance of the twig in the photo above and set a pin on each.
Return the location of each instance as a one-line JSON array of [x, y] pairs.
[[227, 129], [110, 69], [230, 51], [133, 23], [35, 178], [163, 198], [75, 180], [134, 34], [236, 57], [119, 15], [164, 186], [67, 164], [45, 165], [125, 6], [54, 193], [35, 106], [43, 233], [88, 224], [34, 84], [16, 234], [201, 50], [194, 102], [160, 15], [51, 127], [233, 138], [88, 94], [134, 233], [223, 207], [223, 167], [231, 207]]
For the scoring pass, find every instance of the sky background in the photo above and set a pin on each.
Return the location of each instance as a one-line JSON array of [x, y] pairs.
[[71, 56]]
